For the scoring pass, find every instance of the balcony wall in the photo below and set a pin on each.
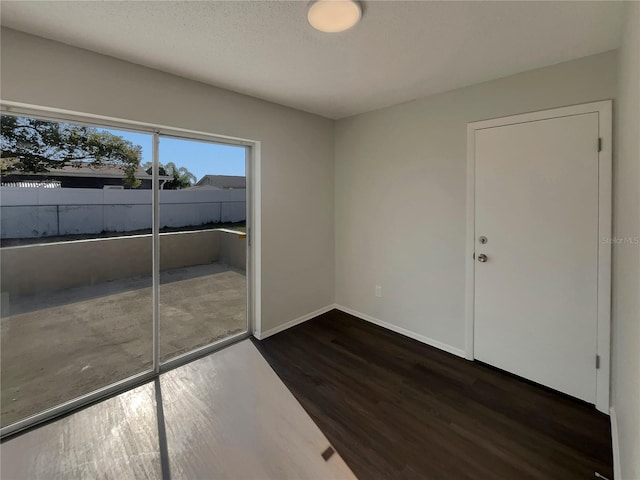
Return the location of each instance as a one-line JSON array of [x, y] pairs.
[[50, 267]]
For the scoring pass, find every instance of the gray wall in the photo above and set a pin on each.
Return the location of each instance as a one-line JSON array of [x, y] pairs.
[[51, 267], [626, 256], [297, 151], [400, 181]]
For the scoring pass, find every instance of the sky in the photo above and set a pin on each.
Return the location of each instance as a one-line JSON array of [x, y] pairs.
[[200, 158]]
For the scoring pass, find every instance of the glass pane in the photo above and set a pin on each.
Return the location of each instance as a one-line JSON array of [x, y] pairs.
[[203, 288], [76, 262]]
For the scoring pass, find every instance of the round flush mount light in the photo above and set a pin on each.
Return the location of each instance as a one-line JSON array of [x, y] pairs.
[[334, 16]]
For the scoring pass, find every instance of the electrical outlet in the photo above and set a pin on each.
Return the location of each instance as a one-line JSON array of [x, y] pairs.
[[378, 291]]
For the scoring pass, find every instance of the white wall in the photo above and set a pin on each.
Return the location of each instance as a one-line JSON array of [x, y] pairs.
[[297, 151], [626, 256], [400, 181]]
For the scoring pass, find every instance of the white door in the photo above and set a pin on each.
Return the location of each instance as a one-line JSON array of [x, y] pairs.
[[536, 295]]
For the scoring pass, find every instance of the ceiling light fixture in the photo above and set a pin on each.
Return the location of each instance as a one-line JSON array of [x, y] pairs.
[[333, 16]]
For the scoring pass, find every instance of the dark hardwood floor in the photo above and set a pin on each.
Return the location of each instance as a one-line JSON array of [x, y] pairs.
[[395, 408]]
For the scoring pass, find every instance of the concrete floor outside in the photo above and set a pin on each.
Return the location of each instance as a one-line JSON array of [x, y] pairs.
[[58, 346]]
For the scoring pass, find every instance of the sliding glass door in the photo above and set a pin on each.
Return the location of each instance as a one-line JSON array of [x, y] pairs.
[[203, 212], [120, 250]]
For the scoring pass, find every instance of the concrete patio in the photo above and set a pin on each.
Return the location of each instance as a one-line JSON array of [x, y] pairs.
[[59, 345]]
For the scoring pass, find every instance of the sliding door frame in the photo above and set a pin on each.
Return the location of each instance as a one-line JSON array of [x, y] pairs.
[[253, 211]]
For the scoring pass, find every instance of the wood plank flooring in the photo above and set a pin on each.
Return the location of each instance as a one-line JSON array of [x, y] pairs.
[[395, 408], [224, 416]]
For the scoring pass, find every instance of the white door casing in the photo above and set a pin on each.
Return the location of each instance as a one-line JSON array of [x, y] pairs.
[[540, 191]]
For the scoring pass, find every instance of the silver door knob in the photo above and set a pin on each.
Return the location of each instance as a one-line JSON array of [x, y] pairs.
[[482, 258]]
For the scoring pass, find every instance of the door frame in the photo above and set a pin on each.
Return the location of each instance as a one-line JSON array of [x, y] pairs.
[[253, 245], [603, 335]]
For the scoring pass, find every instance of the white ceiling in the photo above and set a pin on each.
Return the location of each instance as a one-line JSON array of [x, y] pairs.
[[398, 52]]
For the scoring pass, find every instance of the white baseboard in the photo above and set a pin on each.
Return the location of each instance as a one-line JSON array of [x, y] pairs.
[[293, 323], [394, 328], [615, 445], [402, 331]]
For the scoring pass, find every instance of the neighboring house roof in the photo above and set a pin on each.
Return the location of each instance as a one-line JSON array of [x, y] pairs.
[[90, 171], [221, 182]]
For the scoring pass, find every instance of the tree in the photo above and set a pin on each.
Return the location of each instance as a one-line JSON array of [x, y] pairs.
[[180, 177], [30, 145]]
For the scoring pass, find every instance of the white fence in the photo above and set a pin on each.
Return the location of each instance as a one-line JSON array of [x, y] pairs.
[[45, 212]]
